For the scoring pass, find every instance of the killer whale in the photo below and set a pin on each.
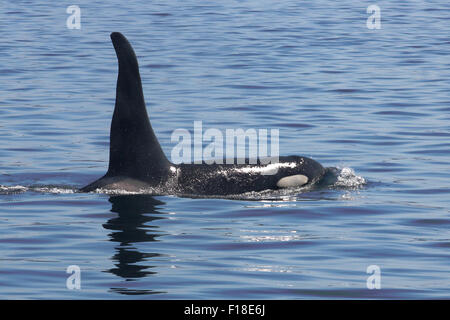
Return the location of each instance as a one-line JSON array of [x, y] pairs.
[[137, 161]]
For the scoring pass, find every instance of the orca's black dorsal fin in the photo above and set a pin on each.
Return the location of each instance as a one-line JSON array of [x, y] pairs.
[[134, 150]]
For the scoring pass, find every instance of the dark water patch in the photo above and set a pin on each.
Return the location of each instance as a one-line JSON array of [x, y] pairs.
[[293, 125], [265, 245], [104, 143], [248, 86], [266, 210], [401, 105], [161, 14], [33, 240], [385, 143], [430, 133], [355, 211], [238, 66], [159, 66], [24, 149], [431, 191], [411, 61], [440, 244], [344, 141], [337, 293], [387, 169], [332, 71], [400, 113], [444, 109], [346, 90], [429, 222], [435, 152], [12, 71], [386, 164], [273, 30]]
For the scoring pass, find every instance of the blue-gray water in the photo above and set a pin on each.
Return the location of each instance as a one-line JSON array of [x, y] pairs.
[[374, 103]]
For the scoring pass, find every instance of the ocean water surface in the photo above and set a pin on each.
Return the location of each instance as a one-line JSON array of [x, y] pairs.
[[374, 103]]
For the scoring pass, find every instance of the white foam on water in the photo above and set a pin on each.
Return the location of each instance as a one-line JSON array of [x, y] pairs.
[[54, 190], [348, 178], [12, 189], [123, 192]]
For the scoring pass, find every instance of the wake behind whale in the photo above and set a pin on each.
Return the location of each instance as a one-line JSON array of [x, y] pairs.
[[137, 162]]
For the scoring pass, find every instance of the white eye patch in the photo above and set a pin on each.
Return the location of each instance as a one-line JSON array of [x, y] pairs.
[[292, 181]]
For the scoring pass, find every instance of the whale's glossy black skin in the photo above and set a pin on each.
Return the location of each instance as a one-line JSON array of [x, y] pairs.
[[222, 179], [137, 162]]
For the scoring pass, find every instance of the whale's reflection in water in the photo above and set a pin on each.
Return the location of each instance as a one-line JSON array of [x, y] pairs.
[[130, 228]]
